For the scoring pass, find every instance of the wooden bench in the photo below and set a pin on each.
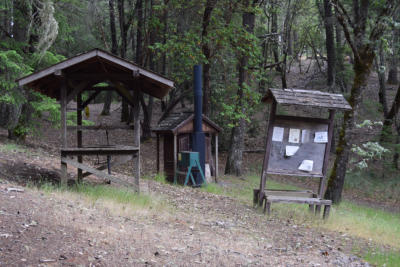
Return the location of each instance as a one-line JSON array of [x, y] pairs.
[[296, 197], [318, 202]]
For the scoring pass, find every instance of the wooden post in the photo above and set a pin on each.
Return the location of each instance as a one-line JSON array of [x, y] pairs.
[[136, 137], [158, 153], [327, 150], [63, 104], [216, 156], [267, 151], [175, 153], [79, 132]]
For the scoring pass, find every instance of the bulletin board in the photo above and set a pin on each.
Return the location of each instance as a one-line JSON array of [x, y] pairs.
[[297, 147]]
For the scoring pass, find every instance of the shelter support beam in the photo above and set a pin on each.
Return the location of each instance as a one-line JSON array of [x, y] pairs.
[[216, 156], [79, 132], [123, 92], [267, 152], [136, 136], [175, 153], [327, 150], [91, 97], [76, 89], [158, 153], [63, 104]]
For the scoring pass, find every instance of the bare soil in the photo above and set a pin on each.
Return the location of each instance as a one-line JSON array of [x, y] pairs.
[[194, 228]]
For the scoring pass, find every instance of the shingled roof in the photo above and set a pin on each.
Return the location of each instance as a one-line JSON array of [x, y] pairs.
[[174, 121], [309, 98]]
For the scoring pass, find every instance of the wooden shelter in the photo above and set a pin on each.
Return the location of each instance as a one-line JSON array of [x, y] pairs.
[[176, 131], [68, 79], [298, 146]]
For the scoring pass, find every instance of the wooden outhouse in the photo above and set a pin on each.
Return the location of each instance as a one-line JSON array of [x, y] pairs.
[[176, 131]]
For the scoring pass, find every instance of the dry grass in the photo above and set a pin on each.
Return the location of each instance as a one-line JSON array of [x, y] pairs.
[[116, 201]]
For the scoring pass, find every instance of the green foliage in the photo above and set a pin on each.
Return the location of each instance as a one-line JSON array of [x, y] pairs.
[[43, 104], [12, 65], [368, 151], [213, 188], [72, 118], [382, 258]]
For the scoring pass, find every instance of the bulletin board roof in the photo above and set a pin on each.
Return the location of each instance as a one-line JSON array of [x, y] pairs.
[[311, 98]]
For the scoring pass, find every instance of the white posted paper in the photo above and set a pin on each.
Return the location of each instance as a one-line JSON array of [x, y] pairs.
[[321, 137], [306, 165], [294, 135], [305, 136], [277, 135], [291, 150]]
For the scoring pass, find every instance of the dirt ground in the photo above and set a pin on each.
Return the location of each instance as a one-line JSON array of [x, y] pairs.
[[191, 228]]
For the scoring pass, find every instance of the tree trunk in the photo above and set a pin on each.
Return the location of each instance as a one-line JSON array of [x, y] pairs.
[[330, 43], [274, 30], [139, 33], [147, 109], [123, 35], [389, 119], [394, 60], [380, 69], [210, 4], [235, 156], [114, 51], [362, 70], [164, 41], [339, 71]]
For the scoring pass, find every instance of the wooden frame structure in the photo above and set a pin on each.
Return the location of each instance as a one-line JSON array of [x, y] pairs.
[[296, 97], [176, 130], [68, 79]]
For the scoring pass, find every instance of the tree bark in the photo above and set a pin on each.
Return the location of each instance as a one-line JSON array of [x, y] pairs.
[[330, 44], [380, 69], [114, 51], [275, 50], [235, 156], [147, 108], [210, 4], [123, 36], [389, 118], [394, 60]]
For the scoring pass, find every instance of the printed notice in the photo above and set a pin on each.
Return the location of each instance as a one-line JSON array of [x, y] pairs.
[[306, 165], [305, 136], [291, 150], [294, 135], [321, 137], [277, 135]]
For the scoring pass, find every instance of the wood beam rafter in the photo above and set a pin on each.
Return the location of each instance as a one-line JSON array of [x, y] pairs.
[[76, 89], [123, 92]]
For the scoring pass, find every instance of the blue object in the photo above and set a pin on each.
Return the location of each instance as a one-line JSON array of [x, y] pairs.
[[198, 137], [189, 160]]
